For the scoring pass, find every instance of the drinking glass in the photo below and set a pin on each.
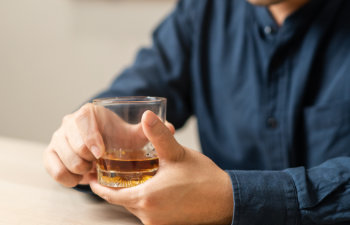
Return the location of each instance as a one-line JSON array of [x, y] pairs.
[[129, 158]]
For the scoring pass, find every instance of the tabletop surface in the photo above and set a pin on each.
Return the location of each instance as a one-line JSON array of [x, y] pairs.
[[29, 196]]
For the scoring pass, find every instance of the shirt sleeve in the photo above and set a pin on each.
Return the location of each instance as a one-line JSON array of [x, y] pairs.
[[163, 68], [319, 195]]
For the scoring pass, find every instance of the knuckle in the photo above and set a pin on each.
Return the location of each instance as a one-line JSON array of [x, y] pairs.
[[79, 166], [57, 138], [56, 135], [59, 174], [84, 111], [80, 150], [62, 176], [83, 151], [92, 137], [147, 201], [71, 182], [66, 118]]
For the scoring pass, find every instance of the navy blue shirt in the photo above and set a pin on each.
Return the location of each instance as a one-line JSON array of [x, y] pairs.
[[272, 103]]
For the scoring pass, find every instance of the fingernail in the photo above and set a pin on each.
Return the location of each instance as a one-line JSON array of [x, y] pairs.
[[151, 120], [95, 151]]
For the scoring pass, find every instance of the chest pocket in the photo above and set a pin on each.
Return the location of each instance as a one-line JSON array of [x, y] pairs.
[[327, 132]]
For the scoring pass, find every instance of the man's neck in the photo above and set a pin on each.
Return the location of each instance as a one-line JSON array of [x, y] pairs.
[[281, 11]]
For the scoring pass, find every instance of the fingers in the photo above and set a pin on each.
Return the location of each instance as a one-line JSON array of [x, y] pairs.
[[74, 139], [73, 162], [170, 127], [161, 137], [73, 146], [117, 196], [59, 172], [88, 129], [88, 176]]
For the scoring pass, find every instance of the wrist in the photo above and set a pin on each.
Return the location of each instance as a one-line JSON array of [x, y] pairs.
[[228, 199]]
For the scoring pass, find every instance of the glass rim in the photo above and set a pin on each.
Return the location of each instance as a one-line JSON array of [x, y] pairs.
[[129, 100]]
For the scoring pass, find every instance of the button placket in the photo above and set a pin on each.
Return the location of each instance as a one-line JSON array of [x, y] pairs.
[[268, 29], [272, 122]]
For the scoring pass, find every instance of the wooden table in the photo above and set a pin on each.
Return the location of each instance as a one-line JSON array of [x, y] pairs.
[[28, 196]]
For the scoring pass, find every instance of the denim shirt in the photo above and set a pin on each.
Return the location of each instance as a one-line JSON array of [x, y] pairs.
[[272, 102]]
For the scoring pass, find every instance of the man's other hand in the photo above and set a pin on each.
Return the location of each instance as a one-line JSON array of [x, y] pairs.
[[188, 188], [70, 156]]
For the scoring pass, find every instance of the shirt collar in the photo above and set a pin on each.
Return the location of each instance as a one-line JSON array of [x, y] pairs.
[[293, 23]]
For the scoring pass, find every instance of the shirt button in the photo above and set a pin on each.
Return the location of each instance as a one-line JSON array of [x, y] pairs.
[[272, 122], [268, 29]]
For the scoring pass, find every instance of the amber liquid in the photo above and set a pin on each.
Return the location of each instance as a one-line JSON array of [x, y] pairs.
[[120, 171]]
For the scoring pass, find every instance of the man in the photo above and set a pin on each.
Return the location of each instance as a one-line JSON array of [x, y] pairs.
[[269, 83]]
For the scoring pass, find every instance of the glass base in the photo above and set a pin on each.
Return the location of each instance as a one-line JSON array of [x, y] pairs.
[[123, 179]]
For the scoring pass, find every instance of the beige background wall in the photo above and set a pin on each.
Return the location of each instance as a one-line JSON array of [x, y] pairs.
[[55, 54]]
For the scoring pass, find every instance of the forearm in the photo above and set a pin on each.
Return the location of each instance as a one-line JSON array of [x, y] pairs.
[[320, 195], [264, 197]]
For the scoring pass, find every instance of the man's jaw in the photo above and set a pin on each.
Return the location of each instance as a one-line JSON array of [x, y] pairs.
[[265, 2]]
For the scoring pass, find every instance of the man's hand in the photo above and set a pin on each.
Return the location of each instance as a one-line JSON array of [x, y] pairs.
[[74, 147], [79, 141], [188, 188]]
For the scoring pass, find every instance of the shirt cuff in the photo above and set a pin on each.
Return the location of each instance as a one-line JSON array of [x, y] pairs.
[[264, 197]]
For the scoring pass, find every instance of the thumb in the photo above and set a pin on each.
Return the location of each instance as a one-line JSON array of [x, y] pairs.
[[160, 136]]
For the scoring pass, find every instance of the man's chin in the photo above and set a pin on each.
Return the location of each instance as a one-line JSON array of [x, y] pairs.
[[264, 2]]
